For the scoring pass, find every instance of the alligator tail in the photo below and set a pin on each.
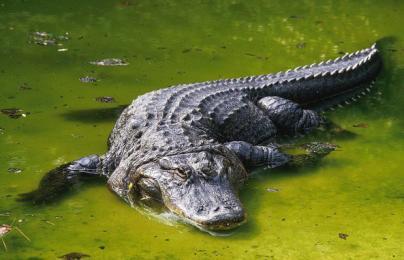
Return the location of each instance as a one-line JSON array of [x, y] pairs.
[[60, 180], [322, 85]]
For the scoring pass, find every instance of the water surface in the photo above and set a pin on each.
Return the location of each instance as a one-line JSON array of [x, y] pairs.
[[358, 191]]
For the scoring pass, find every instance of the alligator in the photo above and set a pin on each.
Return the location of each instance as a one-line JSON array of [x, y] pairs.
[[190, 147]]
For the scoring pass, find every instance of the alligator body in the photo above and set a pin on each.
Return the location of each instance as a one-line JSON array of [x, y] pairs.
[[187, 147]]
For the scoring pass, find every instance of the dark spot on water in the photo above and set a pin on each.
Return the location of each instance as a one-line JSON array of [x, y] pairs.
[[101, 247], [105, 99], [94, 115], [13, 113], [343, 236], [361, 125], [301, 45], [392, 50], [341, 53], [73, 256], [186, 50], [25, 86]]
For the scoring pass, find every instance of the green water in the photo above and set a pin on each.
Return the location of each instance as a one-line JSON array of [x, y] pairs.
[[358, 191]]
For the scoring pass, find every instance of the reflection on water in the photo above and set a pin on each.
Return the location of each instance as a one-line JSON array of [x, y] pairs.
[[354, 191]]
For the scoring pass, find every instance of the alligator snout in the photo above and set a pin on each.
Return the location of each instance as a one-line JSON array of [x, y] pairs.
[[222, 218]]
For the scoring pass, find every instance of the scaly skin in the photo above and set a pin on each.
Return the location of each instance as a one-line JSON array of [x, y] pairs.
[[186, 147]]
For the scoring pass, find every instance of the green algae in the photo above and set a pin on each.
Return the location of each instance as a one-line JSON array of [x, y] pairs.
[[357, 190]]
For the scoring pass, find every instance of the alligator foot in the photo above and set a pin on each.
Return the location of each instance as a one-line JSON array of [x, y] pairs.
[[314, 152], [59, 180], [257, 155]]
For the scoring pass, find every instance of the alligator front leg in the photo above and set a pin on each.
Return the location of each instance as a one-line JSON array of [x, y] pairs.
[[256, 155], [288, 116]]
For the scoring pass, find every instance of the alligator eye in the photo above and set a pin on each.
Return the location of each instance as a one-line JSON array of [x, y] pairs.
[[207, 172], [183, 173]]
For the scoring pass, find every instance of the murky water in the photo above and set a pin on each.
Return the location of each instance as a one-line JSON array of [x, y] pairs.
[[358, 191]]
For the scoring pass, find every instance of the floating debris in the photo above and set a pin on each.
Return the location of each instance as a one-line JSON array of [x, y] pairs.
[[73, 256], [301, 45], [250, 54], [295, 17], [319, 148], [62, 50], [25, 86], [14, 170], [361, 125], [47, 39], [6, 229], [110, 62], [343, 236], [105, 99], [272, 190], [88, 79], [13, 112]]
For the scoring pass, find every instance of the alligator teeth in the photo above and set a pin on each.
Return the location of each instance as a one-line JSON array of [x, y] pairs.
[[337, 59], [325, 73], [348, 68], [341, 70], [321, 63], [355, 66], [347, 102], [340, 106], [363, 93], [333, 72], [350, 55], [304, 67], [312, 65], [308, 76], [317, 74], [353, 99], [368, 89], [297, 68], [373, 46], [346, 55], [357, 52]]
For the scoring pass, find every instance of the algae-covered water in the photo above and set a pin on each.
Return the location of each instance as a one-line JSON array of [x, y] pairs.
[[349, 206]]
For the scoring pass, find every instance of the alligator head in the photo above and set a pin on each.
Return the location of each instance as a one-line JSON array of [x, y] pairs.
[[200, 187]]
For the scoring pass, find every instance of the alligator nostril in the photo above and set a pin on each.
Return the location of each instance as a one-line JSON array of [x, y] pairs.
[[216, 209]]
